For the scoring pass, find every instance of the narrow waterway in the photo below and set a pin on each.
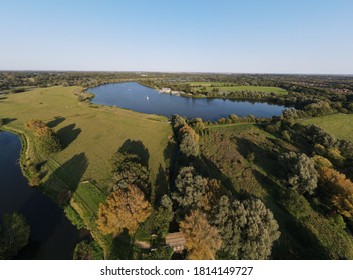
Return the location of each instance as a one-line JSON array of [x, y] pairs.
[[53, 237]]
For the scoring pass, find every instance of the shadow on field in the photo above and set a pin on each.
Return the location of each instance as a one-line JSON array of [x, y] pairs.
[[66, 178], [8, 120], [161, 185], [136, 148], [68, 134], [266, 159], [55, 122], [122, 248], [208, 168], [2, 98]]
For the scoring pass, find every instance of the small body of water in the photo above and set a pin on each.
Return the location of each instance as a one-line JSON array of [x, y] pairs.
[[147, 100], [53, 237]]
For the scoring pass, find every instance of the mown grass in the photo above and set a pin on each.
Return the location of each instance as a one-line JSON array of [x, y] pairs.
[[339, 125], [224, 88], [90, 134]]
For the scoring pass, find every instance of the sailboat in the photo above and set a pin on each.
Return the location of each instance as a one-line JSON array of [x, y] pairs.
[[147, 98]]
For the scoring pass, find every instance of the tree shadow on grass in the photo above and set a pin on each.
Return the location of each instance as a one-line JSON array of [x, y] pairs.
[[267, 160], [2, 98], [295, 242], [66, 178], [122, 247], [8, 120], [161, 185], [207, 168], [68, 134], [136, 148], [40, 168], [57, 120]]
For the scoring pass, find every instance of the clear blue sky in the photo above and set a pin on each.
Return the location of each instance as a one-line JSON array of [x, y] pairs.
[[247, 36]]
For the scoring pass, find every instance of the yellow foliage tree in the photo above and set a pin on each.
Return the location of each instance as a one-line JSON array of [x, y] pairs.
[[339, 189], [186, 129], [125, 208], [202, 239]]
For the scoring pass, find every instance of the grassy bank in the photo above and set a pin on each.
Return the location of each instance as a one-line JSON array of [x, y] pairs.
[[90, 134]]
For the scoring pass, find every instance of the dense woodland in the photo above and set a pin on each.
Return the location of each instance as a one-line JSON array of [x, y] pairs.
[[238, 188]]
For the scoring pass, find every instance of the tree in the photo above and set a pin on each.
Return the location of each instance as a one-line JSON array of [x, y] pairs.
[[125, 208], [88, 251], [338, 190], [198, 125], [248, 228], [202, 239], [317, 135], [128, 169], [195, 191], [189, 141], [178, 122], [48, 141], [14, 234], [163, 217], [191, 188], [300, 171]]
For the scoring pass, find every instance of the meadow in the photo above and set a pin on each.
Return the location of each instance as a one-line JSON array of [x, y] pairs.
[[89, 134], [236, 88], [340, 125]]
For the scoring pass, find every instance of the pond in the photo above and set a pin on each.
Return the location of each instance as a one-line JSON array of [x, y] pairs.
[[137, 97], [53, 237]]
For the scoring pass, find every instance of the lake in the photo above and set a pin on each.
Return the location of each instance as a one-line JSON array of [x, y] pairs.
[[137, 97], [53, 237]]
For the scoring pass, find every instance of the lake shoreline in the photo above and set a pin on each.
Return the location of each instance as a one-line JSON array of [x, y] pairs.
[[140, 98], [30, 202]]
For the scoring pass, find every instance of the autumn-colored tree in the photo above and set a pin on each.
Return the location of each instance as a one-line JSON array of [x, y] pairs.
[[202, 239], [48, 141], [338, 189], [198, 125], [125, 208], [189, 141], [321, 162], [178, 122], [214, 192]]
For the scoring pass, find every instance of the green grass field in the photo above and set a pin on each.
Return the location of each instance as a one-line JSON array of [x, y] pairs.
[[340, 125], [222, 87], [90, 135]]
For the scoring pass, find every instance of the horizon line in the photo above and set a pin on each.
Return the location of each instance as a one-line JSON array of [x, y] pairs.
[[182, 72]]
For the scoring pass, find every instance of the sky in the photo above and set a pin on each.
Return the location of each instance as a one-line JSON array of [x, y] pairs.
[[238, 36]]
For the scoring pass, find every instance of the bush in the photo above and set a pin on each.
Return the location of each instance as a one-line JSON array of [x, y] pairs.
[[74, 217], [88, 251]]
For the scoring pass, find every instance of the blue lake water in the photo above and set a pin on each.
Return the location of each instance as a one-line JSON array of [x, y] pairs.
[[143, 99]]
